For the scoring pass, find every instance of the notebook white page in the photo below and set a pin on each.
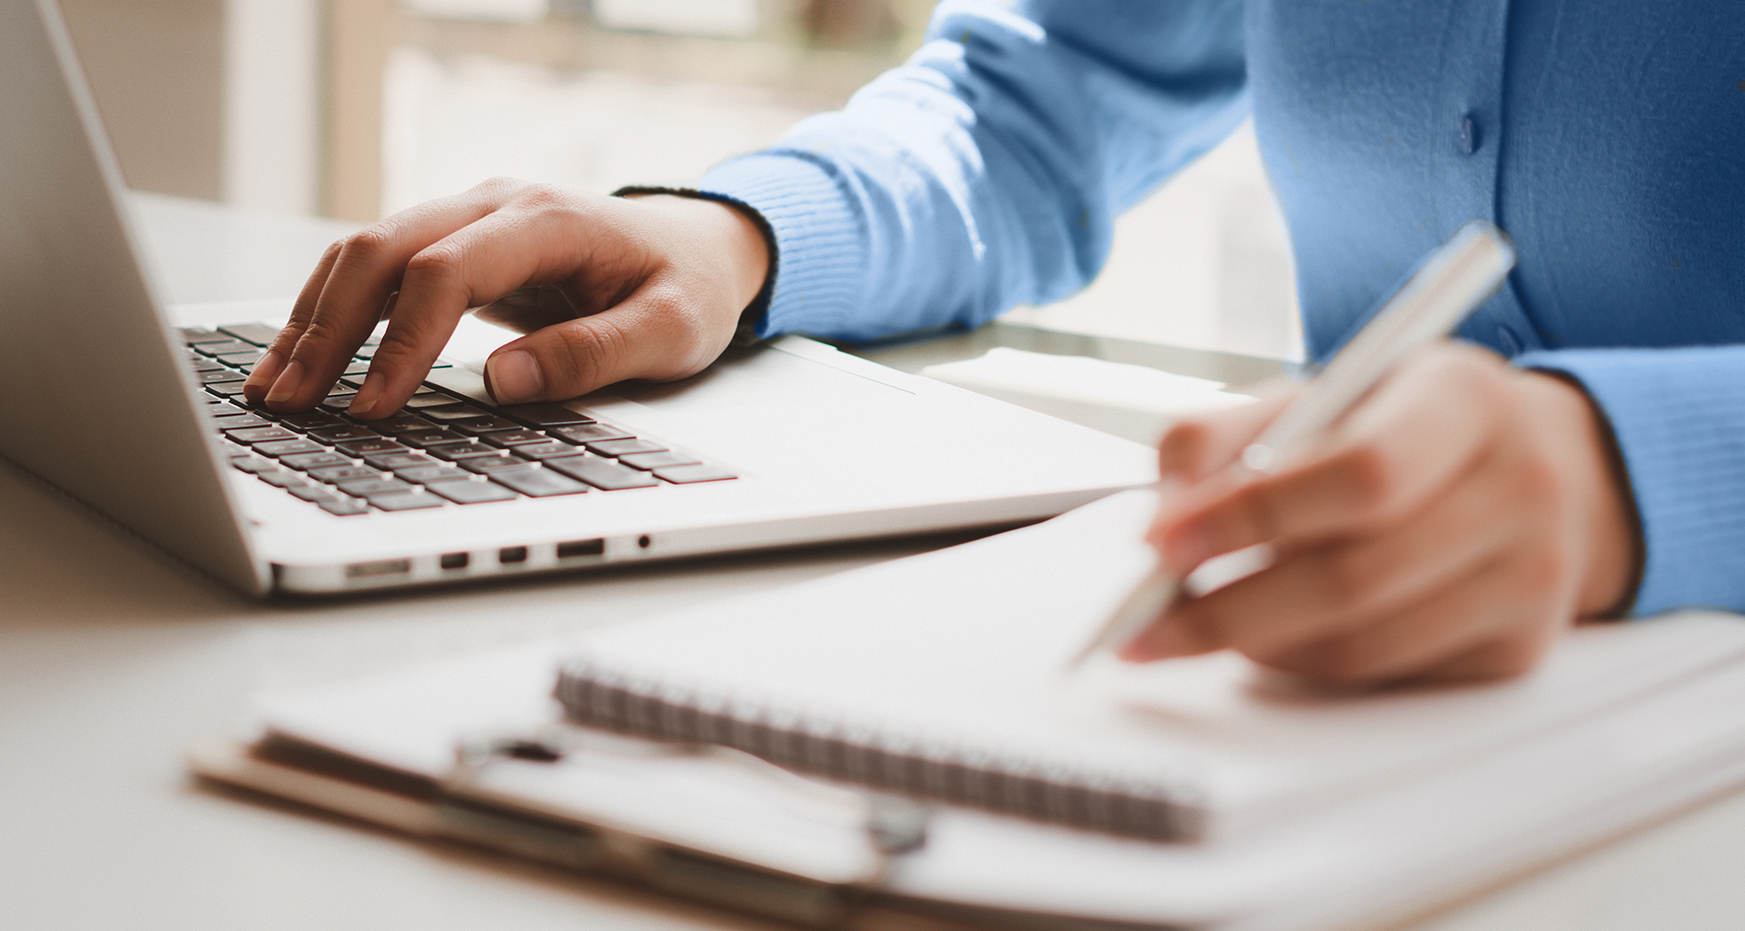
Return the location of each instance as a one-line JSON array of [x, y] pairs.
[[963, 650]]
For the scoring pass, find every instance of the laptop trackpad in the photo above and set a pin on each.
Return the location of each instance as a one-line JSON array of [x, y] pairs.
[[785, 398]]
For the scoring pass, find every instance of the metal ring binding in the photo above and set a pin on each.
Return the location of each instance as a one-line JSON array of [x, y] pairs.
[[1029, 789]]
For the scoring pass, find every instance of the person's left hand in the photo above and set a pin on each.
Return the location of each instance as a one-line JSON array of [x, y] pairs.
[[1449, 526]]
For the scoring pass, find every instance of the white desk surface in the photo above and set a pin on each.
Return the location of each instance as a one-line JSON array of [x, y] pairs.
[[115, 660]]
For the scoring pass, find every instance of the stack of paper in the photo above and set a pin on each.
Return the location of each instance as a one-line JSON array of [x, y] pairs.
[[1321, 810], [1131, 401]]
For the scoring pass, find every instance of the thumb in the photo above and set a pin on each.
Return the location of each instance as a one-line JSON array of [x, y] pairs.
[[645, 337]]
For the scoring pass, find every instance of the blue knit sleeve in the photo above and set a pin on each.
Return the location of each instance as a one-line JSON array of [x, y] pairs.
[[1679, 419], [987, 170]]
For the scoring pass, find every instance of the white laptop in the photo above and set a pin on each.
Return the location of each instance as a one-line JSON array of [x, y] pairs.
[[785, 444]]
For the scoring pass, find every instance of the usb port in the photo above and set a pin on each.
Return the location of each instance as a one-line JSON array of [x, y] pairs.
[[570, 548], [364, 570], [512, 554], [456, 560]]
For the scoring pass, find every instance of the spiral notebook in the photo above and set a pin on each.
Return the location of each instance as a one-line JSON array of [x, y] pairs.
[[939, 676], [943, 677]]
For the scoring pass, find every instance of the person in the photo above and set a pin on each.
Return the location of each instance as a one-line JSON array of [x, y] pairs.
[[1578, 453]]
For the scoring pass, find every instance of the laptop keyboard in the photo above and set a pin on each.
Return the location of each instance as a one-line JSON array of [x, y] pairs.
[[441, 450]]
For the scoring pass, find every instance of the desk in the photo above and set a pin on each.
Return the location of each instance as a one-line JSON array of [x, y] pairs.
[[114, 660]]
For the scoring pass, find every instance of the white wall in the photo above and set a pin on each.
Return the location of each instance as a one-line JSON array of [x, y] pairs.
[[272, 113]]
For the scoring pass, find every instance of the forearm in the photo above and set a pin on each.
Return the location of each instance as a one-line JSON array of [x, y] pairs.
[[988, 170]]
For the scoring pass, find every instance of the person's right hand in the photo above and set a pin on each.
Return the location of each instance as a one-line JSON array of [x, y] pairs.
[[659, 282]]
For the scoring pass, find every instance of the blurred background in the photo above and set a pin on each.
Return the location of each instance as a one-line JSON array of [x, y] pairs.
[[354, 109]]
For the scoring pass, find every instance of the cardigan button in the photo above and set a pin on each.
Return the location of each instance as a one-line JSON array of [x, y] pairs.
[[1468, 135]]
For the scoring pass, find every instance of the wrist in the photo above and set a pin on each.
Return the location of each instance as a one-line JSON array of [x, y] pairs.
[[746, 241], [1607, 527]]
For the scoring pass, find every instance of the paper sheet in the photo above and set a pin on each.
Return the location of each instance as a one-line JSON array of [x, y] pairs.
[[1132, 401]]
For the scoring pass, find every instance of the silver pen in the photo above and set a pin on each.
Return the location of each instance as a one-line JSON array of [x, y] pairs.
[[1452, 282]]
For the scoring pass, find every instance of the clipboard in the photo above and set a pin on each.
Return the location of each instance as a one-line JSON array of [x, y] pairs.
[[475, 750]]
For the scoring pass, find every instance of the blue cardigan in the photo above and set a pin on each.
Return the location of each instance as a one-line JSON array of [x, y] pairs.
[[1608, 136]]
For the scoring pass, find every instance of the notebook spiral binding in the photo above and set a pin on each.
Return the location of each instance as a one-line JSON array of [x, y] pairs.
[[595, 697]]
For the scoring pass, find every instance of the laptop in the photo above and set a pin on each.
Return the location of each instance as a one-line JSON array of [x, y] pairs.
[[779, 445]]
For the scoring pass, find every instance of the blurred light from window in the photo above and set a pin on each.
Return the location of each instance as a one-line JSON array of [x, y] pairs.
[[495, 11], [731, 18]]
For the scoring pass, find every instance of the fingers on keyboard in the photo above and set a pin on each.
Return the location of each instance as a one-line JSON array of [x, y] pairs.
[[439, 450]]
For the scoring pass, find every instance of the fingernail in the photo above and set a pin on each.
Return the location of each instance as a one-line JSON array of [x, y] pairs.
[[1163, 640], [287, 383], [364, 402], [514, 377], [261, 378], [1188, 545]]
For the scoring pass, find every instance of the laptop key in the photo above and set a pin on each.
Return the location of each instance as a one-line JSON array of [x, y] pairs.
[[428, 399], [250, 464], [253, 435], [227, 389], [326, 459], [391, 461], [333, 475], [241, 421], [312, 420], [221, 347], [470, 492], [214, 376], [370, 487], [430, 439], [454, 410], [516, 437], [348, 431], [651, 461], [375, 445], [537, 451], [194, 335], [590, 432], [288, 447], [399, 423], [257, 408], [490, 465], [429, 474], [603, 474], [311, 493], [538, 483], [405, 501], [281, 478], [343, 507], [478, 426], [685, 475], [257, 333], [245, 358], [624, 447], [544, 415], [455, 452], [356, 368]]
